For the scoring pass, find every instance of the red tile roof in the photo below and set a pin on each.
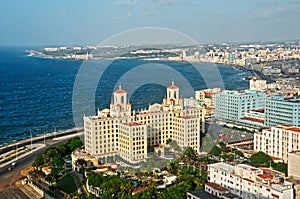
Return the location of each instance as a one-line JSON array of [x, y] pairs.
[[265, 176], [295, 129], [132, 124], [120, 91], [274, 195], [253, 119], [216, 186], [185, 116], [139, 190], [173, 86], [259, 110]]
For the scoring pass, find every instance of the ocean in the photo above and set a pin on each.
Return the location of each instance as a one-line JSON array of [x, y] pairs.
[[36, 93]]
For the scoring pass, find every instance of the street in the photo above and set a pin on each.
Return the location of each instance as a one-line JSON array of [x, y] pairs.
[[8, 178]]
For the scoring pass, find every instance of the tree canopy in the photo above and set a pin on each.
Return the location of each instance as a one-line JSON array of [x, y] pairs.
[[260, 159], [216, 151]]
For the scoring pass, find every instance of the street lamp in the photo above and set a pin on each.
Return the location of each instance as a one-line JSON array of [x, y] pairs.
[[30, 140], [16, 150], [54, 131]]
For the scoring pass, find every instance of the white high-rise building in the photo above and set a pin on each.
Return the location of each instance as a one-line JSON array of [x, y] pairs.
[[278, 141], [120, 131]]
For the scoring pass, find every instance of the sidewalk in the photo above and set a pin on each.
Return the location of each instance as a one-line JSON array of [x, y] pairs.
[[29, 191], [78, 181]]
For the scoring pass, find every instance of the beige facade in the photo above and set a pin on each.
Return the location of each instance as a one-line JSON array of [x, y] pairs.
[[293, 165], [119, 130], [81, 154], [278, 141], [132, 141]]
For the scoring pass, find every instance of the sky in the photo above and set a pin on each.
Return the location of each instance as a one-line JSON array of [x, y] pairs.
[[89, 22]]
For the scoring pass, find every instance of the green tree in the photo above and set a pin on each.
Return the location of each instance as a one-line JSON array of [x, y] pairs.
[[149, 193], [216, 151], [239, 153], [190, 153], [62, 149], [74, 143], [39, 160], [260, 159], [280, 166], [92, 196], [126, 186]]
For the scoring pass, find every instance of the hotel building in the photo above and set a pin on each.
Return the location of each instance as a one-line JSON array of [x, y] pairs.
[[281, 110], [241, 108], [249, 182], [278, 141], [120, 131]]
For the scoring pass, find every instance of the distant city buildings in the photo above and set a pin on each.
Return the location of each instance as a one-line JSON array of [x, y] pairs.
[[208, 98], [128, 134], [257, 84], [249, 182]]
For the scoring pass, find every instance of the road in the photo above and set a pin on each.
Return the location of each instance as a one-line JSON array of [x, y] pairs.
[[37, 139], [8, 178]]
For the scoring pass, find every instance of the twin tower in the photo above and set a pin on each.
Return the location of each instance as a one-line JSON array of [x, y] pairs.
[[121, 106]]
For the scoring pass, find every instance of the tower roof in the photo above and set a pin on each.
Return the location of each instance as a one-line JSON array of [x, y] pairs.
[[173, 86], [120, 91]]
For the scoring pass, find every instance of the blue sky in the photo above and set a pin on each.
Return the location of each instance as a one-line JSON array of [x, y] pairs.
[[71, 22]]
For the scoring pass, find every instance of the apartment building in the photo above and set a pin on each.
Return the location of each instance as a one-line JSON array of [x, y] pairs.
[[282, 110], [278, 141], [249, 182]]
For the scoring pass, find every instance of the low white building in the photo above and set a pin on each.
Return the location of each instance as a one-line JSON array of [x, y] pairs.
[[257, 84], [249, 182]]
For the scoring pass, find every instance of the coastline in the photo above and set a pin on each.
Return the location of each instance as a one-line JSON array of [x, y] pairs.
[[40, 136], [255, 73]]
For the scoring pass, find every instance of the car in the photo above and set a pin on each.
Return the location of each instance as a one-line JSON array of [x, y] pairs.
[[9, 168]]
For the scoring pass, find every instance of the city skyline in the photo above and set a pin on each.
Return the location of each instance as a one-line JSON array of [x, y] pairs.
[[84, 23]]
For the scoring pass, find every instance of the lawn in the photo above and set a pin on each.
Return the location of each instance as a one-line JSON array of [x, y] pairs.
[[67, 184]]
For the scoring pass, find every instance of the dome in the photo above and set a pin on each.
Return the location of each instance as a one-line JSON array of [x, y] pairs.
[[120, 91], [173, 86]]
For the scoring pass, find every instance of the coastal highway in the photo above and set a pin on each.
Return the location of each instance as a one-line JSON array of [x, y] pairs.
[[37, 139], [8, 178]]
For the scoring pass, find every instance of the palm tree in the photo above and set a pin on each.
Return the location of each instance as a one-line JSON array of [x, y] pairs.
[[126, 187]]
